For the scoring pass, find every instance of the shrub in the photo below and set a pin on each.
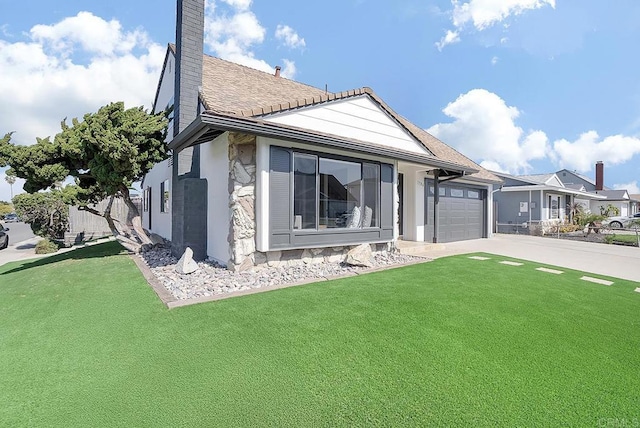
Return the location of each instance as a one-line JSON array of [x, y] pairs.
[[567, 228], [46, 246]]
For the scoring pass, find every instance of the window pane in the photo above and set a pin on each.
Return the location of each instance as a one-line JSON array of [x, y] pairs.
[[304, 191], [371, 193], [473, 194], [457, 193], [164, 196], [340, 185]]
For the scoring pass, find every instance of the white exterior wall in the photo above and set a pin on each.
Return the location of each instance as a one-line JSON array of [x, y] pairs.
[[166, 91], [414, 203], [359, 118], [623, 206], [263, 145], [160, 221], [214, 164]]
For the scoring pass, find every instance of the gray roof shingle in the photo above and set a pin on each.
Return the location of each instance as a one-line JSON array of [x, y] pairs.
[[231, 88]]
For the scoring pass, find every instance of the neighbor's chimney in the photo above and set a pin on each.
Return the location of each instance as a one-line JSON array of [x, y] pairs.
[[277, 71], [599, 175]]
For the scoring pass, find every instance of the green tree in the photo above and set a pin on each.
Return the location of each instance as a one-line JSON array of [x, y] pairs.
[[5, 208], [609, 210], [46, 212], [105, 153]]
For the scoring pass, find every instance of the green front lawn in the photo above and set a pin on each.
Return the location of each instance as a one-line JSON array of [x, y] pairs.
[[85, 342], [624, 240]]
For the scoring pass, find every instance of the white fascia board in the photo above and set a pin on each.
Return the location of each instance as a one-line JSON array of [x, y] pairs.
[[555, 189]]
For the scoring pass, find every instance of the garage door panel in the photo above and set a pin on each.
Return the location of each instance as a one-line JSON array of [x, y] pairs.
[[459, 219]]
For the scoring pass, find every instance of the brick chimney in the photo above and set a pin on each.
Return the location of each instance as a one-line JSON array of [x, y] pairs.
[[189, 50], [188, 191], [599, 175]]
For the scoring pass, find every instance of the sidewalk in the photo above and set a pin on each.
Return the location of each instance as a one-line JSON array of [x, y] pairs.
[[611, 260], [22, 250], [25, 250]]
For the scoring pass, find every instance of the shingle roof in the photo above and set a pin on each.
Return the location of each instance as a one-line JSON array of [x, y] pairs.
[[231, 88], [535, 178], [613, 194]]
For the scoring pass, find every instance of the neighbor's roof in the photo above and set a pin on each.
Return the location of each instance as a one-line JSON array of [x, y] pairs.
[[535, 178], [581, 176], [230, 88], [613, 194]]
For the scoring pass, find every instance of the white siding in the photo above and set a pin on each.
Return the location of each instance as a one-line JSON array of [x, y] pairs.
[[214, 164], [166, 91], [160, 221], [358, 118]]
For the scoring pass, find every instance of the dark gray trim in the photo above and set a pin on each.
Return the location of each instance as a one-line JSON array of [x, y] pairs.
[[214, 125], [281, 207]]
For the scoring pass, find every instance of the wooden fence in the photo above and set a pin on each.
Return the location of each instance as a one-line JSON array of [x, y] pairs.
[[84, 226]]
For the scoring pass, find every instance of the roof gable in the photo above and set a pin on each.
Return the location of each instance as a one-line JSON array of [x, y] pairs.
[[358, 117], [232, 89]]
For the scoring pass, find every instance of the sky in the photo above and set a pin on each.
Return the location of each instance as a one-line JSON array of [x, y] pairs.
[[519, 86]]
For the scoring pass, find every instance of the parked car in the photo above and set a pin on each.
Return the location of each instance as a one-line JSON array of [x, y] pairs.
[[4, 237], [619, 222], [11, 218]]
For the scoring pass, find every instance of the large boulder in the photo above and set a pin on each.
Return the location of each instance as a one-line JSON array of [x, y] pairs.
[[360, 256], [186, 264]]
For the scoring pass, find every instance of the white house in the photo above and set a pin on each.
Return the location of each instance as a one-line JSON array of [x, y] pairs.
[[268, 170]]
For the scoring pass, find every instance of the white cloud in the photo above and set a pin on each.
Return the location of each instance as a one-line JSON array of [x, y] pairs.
[[43, 82], [582, 153], [494, 60], [631, 187], [449, 38], [482, 14], [289, 37], [484, 129], [233, 34]]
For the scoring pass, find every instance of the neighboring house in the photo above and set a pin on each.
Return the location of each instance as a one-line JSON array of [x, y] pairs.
[[618, 198], [269, 170], [605, 195], [526, 200]]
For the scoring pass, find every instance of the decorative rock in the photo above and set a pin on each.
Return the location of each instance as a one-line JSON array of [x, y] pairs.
[[186, 264], [360, 256], [214, 279]]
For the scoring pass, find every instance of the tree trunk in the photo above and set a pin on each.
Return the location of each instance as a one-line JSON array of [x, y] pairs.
[[129, 242], [136, 220]]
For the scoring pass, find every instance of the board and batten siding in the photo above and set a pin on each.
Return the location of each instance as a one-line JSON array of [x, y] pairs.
[[359, 118]]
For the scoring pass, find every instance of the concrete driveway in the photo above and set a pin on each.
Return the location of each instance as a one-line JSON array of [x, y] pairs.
[[611, 260], [22, 243]]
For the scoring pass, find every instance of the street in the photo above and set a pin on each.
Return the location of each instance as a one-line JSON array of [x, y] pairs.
[[21, 243], [18, 232]]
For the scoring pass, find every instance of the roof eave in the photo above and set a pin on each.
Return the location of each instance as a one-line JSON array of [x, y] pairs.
[[208, 125], [551, 189]]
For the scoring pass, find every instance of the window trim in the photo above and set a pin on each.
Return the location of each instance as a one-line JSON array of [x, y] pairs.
[[331, 156]]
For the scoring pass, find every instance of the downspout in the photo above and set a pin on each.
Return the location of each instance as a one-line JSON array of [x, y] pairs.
[[529, 208], [436, 201]]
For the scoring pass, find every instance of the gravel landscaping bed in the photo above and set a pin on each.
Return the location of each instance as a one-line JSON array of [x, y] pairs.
[[212, 279]]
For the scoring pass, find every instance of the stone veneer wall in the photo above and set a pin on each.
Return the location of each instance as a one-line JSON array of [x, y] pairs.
[[242, 224], [242, 184]]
